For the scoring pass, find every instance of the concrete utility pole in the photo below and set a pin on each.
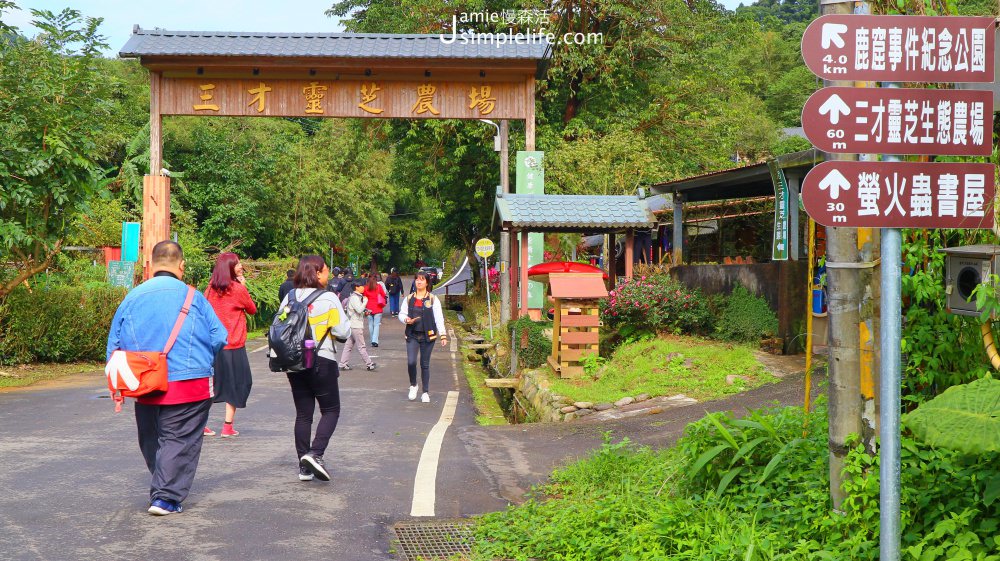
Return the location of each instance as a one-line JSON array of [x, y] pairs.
[[504, 236], [843, 267]]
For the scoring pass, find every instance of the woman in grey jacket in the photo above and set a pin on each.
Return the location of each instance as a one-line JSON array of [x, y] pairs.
[[356, 310]]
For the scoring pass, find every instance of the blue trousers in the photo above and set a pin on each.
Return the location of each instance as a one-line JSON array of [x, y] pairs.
[[374, 323]]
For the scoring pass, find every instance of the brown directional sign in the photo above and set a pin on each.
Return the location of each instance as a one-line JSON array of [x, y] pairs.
[[900, 48], [900, 194], [900, 121]]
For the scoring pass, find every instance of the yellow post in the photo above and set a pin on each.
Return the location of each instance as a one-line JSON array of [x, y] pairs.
[[809, 315], [556, 328]]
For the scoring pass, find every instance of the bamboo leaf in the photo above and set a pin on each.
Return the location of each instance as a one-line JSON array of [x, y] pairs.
[[706, 457], [776, 460], [724, 432], [747, 448], [727, 479], [963, 418]]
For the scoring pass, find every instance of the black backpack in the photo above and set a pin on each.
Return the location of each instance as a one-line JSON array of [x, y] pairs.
[[289, 331]]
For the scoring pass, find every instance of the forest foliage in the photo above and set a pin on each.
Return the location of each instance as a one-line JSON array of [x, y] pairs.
[[675, 88]]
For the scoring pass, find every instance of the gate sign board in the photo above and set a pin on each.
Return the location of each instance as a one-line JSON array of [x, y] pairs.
[[900, 194], [900, 121], [900, 48], [423, 99]]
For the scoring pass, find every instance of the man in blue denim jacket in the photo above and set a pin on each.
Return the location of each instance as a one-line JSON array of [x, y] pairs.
[[170, 423]]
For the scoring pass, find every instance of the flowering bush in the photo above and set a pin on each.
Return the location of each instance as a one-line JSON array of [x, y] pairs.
[[656, 303], [494, 279]]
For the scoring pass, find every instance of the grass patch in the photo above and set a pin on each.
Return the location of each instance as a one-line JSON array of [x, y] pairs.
[[257, 333], [488, 410], [27, 374], [667, 366]]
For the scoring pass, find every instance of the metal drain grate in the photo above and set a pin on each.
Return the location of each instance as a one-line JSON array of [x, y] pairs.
[[425, 541]]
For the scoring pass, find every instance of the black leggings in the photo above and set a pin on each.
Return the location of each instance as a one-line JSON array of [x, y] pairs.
[[424, 347], [308, 387]]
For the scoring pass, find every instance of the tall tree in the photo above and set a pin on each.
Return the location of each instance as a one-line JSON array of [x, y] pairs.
[[55, 101]]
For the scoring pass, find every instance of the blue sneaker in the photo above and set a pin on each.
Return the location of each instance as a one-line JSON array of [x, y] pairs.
[[163, 507]]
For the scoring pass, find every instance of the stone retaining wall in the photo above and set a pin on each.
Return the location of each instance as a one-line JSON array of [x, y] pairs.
[[548, 406]]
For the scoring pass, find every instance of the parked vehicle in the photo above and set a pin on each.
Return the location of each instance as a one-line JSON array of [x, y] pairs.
[[433, 274]]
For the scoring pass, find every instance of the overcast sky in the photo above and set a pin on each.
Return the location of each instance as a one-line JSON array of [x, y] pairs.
[[186, 15], [194, 15]]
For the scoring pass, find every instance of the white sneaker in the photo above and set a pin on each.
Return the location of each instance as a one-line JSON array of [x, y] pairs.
[[425, 398], [413, 393]]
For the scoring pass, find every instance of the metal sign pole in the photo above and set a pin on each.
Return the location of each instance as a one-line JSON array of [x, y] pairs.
[[890, 383]]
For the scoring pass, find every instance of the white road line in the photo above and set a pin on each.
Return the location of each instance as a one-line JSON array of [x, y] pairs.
[[425, 483], [453, 346], [257, 350]]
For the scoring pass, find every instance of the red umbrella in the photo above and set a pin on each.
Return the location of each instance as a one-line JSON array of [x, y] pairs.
[[541, 271]]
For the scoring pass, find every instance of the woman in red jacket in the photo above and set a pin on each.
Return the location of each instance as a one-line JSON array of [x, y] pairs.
[[231, 301], [376, 295]]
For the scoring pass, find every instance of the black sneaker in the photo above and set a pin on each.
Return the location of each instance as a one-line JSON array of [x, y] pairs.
[[315, 465], [345, 366], [371, 367], [375, 344], [304, 473]]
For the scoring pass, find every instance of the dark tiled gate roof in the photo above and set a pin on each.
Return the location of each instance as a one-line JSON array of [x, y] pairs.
[[580, 213], [159, 42]]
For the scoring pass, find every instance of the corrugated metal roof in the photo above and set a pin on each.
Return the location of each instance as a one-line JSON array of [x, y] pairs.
[[159, 42], [573, 212]]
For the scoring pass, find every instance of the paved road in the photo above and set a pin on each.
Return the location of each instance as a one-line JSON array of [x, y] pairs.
[[75, 486], [459, 281]]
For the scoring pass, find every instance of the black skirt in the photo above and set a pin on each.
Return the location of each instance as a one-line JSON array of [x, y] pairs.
[[232, 377]]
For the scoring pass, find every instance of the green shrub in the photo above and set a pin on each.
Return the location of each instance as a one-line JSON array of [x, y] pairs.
[[62, 324], [624, 502], [746, 318], [539, 346], [263, 286], [655, 303]]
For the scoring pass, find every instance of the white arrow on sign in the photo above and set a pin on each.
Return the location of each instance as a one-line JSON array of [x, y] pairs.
[[835, 182], [836, 107], [831, 34]]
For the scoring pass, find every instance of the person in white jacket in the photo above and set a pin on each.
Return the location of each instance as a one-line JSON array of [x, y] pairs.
[[318, 384], [357, 308], [421, 313]]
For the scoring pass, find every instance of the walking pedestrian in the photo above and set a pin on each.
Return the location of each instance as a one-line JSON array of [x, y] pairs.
[[376, 296], [170, 423], [318, 384], [356, 309], [394, 286], [231, 301], [336, 281], [424, 320], [346, 288], [287, 285]]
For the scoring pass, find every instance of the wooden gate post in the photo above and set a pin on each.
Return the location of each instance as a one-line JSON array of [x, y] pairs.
[[155, 217]]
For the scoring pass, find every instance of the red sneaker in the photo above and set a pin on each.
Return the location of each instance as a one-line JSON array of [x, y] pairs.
[[209, 432], [228, 430]]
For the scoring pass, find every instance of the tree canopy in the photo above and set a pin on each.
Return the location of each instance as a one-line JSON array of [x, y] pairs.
[[672, 88]]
